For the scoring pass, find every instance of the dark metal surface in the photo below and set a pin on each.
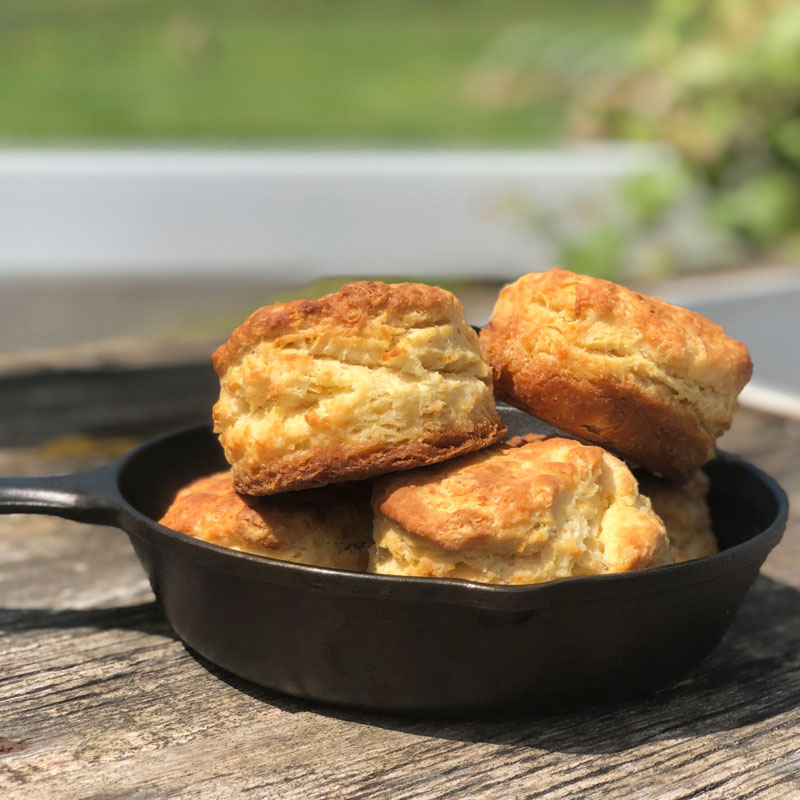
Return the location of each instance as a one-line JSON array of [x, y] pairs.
[[420, 645]]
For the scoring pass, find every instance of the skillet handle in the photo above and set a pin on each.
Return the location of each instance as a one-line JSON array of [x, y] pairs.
[[90, 497]]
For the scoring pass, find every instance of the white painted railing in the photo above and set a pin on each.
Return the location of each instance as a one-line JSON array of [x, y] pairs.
[[302, 213]]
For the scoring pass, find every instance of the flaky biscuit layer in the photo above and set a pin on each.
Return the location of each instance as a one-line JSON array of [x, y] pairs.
[[684, 510], [371, 379], [653, 382], [545, 510], [328, 527]]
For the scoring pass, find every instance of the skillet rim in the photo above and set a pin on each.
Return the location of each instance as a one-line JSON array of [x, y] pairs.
[[452, 591]]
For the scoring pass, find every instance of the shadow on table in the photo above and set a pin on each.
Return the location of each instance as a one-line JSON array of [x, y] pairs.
[[752, 676]]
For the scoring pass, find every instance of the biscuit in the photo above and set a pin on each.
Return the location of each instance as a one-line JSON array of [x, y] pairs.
[[684, 510], [329, 527], [514, 515], [371, 379], [655, 383]]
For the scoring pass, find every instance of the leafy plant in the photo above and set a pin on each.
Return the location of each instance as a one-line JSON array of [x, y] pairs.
[[720, 81]]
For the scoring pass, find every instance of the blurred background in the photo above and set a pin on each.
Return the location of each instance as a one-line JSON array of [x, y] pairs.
[[167, 167]]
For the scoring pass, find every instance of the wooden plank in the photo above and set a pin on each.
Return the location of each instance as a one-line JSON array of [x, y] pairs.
[[99, 699]]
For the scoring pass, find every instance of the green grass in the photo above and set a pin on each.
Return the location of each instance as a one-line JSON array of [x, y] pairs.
[[307, 71]]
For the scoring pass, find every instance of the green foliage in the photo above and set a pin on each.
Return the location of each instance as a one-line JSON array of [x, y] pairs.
[[287, 70], [720, 81], [654, 193], [598, 253]]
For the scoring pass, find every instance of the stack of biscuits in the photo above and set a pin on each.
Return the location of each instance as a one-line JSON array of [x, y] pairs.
[[362, 432]]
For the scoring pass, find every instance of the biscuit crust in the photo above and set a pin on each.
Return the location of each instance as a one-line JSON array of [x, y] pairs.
[[370, 379], [655, 383], [547, 509], [683, 507], [329, 527]]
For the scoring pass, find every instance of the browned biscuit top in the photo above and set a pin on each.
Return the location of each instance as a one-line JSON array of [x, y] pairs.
[[601, 315], [500, 493], [373, 378], [653, 382], [526, 438], [683, 507], [353, 306], [328, 527]]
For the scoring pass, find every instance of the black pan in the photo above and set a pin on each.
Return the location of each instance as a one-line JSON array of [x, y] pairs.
[[414, 644]]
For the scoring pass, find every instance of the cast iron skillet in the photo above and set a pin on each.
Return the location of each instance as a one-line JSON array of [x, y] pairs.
[[414, 644]]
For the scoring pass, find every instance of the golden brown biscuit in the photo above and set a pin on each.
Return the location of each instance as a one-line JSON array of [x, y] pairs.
[[526, 438], [545, 510], [329, 527], [684, 511], [371, 379], [655, 383]]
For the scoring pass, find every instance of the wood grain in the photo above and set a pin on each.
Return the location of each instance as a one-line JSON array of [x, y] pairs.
[[98, 699]]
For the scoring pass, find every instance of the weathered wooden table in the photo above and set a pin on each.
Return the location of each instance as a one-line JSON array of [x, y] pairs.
[[99, 699]]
